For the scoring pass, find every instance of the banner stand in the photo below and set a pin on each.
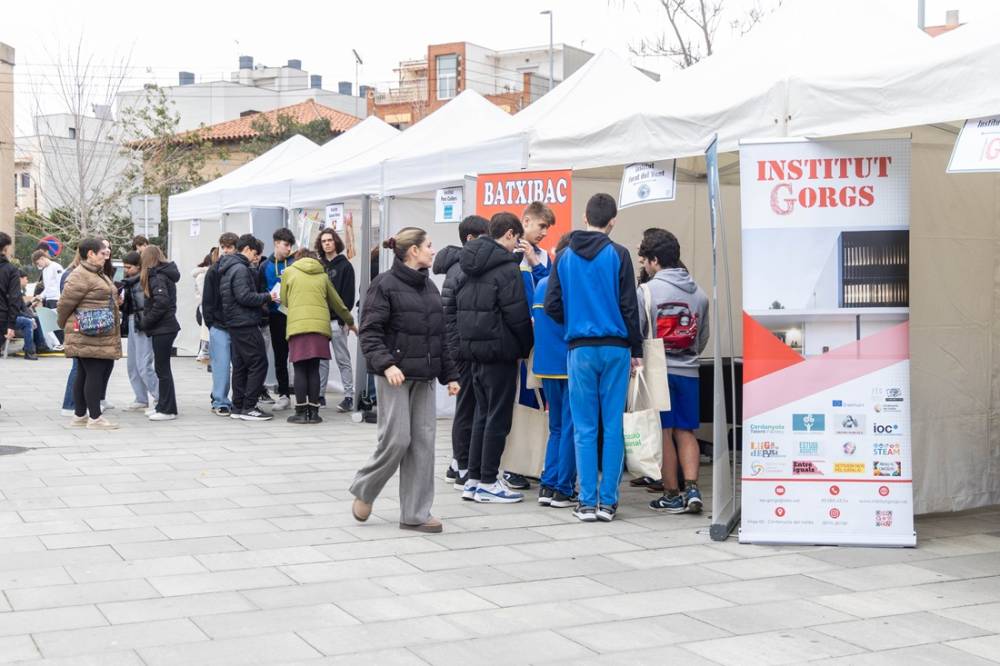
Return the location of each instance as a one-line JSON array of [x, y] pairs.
[[725, 508]]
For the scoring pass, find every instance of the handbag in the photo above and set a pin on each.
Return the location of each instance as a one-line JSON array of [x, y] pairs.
[[654, 361], [524, 450], [643, 435], [531, 380], [96, 322]]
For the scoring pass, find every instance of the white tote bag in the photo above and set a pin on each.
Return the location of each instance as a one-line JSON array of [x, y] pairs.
[[654, 362], [643, 435], [524, 451]]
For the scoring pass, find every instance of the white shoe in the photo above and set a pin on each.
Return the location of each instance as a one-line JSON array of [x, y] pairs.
[[67, 412], [137, 407], [78, 421], [158, 416], [283, 402], [149, 411], [101, 423], [107, 405]]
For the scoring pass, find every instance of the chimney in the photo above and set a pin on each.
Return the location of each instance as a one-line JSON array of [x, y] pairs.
[[246, 62], [315, 81], [363, 91], [185, 78], [295, 64], [951, 18], [345, 88]]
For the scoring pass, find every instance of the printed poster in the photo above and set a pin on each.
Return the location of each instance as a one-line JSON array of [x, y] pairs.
[[648, 182], [513, 192], [977, 148], [826, 381], [448, 205]]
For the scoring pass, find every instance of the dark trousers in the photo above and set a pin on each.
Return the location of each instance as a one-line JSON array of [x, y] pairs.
[[162, 344], [465, 414], [278, 324], [307, 382], [494, 385], [91, 381], [249, 366]]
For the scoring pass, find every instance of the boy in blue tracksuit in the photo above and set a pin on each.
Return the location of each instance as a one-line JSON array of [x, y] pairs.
[[559, 478], [592, 292], [269, 275]]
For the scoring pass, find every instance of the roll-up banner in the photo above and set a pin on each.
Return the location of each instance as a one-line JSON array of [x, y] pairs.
[[826, 374]]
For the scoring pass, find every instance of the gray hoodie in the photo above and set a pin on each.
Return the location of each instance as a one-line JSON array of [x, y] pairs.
[[675, 286]]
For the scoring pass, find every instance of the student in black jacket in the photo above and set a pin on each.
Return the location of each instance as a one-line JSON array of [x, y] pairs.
[[447, 263], [402, 337], [159, 278], [241, 309], [10, 288], [494, 330], [219, 346], [330, 249]]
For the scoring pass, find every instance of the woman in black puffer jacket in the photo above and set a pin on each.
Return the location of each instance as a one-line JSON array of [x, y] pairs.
[[402, 337], [158, 278]]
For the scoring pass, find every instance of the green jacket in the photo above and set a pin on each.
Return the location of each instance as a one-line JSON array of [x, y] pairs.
[[308, 297]]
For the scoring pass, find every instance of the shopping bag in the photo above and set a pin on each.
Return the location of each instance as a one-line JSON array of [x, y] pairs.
[[532, 381], [654, 361], [643, 435], [524, 451]]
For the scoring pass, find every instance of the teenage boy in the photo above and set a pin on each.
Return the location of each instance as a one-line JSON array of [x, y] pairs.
[[680, 309], [494, 331], [27, 322], [592, 292], [139, 243], [241, 308], [218, 333], [270, 275], [51, 272], [558, 481], [447, 263]]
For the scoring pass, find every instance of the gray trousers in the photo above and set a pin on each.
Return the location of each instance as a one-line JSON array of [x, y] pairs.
[[406, 427], [342, 356], [272, 378], [141, 375]]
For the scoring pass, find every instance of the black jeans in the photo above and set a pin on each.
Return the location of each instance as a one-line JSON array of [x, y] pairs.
[[307, 382], [278, 324], [249, 366], [465, 414], [494, 385], [92, 376], [162, 344]]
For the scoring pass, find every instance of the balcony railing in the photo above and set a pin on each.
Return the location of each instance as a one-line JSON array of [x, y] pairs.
[[408, 93]]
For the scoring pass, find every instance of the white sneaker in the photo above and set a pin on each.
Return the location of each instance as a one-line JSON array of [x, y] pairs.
[[283, 402], [67, 412], [469, 491], [107, 405], [137, 407], [158, 416], [78, 421], [101, 423], [496, 493]]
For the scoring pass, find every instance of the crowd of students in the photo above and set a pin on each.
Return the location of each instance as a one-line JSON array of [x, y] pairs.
[[578, 316]]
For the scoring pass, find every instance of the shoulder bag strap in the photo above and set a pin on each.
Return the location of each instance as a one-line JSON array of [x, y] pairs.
[[647, 296]]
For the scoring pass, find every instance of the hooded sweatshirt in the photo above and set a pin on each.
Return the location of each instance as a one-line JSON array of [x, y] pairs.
[[676, 298]]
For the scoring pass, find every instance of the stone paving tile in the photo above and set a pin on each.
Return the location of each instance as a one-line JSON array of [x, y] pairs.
[[278, 539], [880, 576], [21, 578], [177, 547], [964, 566], [260, 558], [927, 655], [460, 653], [417, 605], [761, 590], [316, 593], [223, 581], [772, 648], [51, 558], [385, 548], [392, 657], [380, 635], [256, 650], [148, 610], [648, 604], [898, 631], [985, 616], [987, 647], [15, 623], [642, 634], [769, 567], [117, 658], [125, 636], [901, 600], [74, 595], [17, 648], [161, 566], [367, 568], [256, 623], [771, 616], [666, 655]]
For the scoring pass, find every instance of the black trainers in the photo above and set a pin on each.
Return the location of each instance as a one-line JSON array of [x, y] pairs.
[[586, 514], [265, 397], [346, 405], [322, 401], [560, 501], [607, 513], [460, 481], [451, 474], [516, 481], [669, 504], [545, 496], [255, 415]]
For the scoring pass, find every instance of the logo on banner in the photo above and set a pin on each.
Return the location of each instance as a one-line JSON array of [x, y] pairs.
[[805, 467], [849, 448], [834, 490], [808, 422], [764, 449], [849, 405], [779, 490], [848, 468], [766, 429], [808, 448], [883, 519], [887, 468], [515, 191], [835, 513], [883, 491], [885, 428], [780, 512], [887, 408], [886, 448], [891, 394], [850, 424]]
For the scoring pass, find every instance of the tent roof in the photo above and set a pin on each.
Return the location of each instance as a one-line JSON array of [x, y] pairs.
[[206, 201]]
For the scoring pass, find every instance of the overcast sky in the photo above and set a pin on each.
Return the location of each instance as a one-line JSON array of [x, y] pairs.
[[206, 37]]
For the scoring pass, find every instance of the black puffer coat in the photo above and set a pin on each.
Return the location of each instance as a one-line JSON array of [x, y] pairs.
[[402, 325], [10, 294], [447, 263], [494, 321], [242, 304], [159, 316]]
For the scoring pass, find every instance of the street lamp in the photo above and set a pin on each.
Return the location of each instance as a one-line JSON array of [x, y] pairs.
[[551, 62]]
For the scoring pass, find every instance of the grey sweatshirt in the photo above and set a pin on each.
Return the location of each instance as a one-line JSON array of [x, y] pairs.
[[674, 285]]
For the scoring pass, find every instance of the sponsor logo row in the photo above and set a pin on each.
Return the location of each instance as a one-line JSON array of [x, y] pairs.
[[837, 424], [878, 468], [768, 448]]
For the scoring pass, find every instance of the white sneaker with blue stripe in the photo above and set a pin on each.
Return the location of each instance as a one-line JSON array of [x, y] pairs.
[[497, 493]]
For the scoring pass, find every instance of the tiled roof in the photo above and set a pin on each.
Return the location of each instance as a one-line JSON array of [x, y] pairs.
[[304, 112]]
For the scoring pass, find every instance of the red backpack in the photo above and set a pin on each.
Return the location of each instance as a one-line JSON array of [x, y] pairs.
[[676, 325]]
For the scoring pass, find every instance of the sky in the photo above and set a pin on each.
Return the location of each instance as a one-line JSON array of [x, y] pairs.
[[159, 39]]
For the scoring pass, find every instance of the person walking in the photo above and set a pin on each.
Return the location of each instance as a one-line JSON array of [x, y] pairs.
[[159, 279], [402, 337], [88, 313], [308, 298], [141, 374], [330, 250]]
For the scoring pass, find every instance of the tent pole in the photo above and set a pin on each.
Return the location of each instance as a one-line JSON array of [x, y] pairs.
[[361, 371]]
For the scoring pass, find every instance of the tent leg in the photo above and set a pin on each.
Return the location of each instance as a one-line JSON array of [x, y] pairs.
[[361, 371]]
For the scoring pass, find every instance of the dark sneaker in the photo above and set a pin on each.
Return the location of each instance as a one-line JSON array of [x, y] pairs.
[[460, 482], [607, 513], [346, 405], [669, 504], [560, 501], [222, 411], [265, 397], [516, 481], [586, 514], [29, 356], [322, 402], [451, 474], [256, 415], [692, 497], [545, 496]]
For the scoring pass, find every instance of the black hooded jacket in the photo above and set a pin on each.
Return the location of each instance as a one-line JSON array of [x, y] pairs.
[[242, 303], [402, 325], [494, 321], [10, 294], [341, 275], [447, 263], [159, 315]]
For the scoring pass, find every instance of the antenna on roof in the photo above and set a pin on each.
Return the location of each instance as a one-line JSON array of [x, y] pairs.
[[357, 62]]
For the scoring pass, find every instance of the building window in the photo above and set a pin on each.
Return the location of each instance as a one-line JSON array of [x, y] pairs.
[[447, 76], [72, 132], [25, 180]]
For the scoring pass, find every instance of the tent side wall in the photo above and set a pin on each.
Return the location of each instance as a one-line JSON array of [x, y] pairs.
[[187, 251]]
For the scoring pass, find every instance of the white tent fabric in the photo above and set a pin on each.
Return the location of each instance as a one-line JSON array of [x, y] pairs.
[[274, 187], [207, 201]]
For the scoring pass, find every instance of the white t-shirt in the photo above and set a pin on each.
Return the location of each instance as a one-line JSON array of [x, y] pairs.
[[50, 278]]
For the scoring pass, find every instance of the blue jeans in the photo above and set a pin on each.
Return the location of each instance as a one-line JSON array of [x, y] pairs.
[[598, 382], [33, 337], [560, 454], [68, 395], [219, 349]]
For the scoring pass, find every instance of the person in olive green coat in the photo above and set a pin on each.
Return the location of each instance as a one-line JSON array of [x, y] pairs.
[[308, 298]]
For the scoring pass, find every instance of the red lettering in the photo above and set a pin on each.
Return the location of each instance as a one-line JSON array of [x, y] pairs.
[[859, 167], [844, 163], [847, 197], [992, 150], [782, 206], [866, 195], [827, 197], [827, 169], [762, 170], [807, 197], [883, 166], [794, 170]]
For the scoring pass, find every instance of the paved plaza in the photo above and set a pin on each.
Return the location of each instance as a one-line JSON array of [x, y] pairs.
[[213, 541]]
